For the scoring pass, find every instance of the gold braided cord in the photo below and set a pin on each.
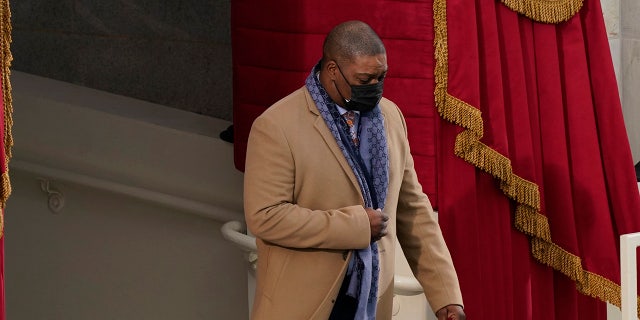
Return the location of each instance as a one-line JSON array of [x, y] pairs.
[[525, 194], [547, 11], [5, 59]]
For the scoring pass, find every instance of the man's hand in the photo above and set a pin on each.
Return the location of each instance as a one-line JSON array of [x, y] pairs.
[[378, 222], [452, 311]]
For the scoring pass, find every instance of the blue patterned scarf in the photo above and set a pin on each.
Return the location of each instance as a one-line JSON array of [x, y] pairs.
[[370, 164]]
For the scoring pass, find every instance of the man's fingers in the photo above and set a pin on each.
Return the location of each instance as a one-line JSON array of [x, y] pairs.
[[384, 216], [379, 224]]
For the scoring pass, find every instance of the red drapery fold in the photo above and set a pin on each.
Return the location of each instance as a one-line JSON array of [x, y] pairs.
[[550, 156]]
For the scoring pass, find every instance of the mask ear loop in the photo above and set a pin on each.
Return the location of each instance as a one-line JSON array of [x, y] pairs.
[[336, 85]]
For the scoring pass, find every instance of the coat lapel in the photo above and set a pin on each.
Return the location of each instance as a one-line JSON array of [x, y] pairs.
[[329, 139]]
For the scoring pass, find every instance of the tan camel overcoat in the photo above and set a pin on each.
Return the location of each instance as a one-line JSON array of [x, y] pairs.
[[304, 205]]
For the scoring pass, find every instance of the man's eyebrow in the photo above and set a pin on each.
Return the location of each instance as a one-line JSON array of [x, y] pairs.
[[369, 74]]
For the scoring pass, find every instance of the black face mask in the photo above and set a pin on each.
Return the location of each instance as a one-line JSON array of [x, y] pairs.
[[363, 97]]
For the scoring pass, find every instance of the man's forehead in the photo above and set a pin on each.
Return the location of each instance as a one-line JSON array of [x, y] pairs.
[[366, 57], [366, 64]]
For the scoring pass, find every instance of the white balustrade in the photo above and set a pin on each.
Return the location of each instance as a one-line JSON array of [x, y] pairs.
[[629, 275]]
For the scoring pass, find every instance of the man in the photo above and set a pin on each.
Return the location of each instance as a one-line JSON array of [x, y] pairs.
[[330, 184]]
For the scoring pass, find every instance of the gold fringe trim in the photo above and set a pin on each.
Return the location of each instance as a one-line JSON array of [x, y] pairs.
[[5, 59], [526, 194], [547, 11]]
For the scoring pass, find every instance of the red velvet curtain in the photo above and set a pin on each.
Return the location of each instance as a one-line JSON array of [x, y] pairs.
[[538, 186]]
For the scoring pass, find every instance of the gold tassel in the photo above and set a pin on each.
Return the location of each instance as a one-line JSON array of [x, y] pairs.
[[6, 58], [547, 11], [526, 194]]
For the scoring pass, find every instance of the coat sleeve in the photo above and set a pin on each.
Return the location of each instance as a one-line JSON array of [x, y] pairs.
[[270, 211], [422, 242]]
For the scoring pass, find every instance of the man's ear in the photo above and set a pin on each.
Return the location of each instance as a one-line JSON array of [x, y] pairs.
[[331, 68]]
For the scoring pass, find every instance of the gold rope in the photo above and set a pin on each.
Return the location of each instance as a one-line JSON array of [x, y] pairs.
[[6, 58], [526, 194], [547, 11]]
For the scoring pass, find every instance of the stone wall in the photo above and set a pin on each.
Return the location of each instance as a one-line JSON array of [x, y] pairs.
[[174, 53]]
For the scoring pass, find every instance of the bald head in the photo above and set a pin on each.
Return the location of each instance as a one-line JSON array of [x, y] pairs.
[[349, 40]]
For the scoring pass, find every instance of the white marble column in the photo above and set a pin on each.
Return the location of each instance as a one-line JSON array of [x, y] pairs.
[[630, 71], [622, 19], [611, 12]]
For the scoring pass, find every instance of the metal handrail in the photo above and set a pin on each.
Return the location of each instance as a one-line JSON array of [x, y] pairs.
[[185, 205], [236, 232]]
